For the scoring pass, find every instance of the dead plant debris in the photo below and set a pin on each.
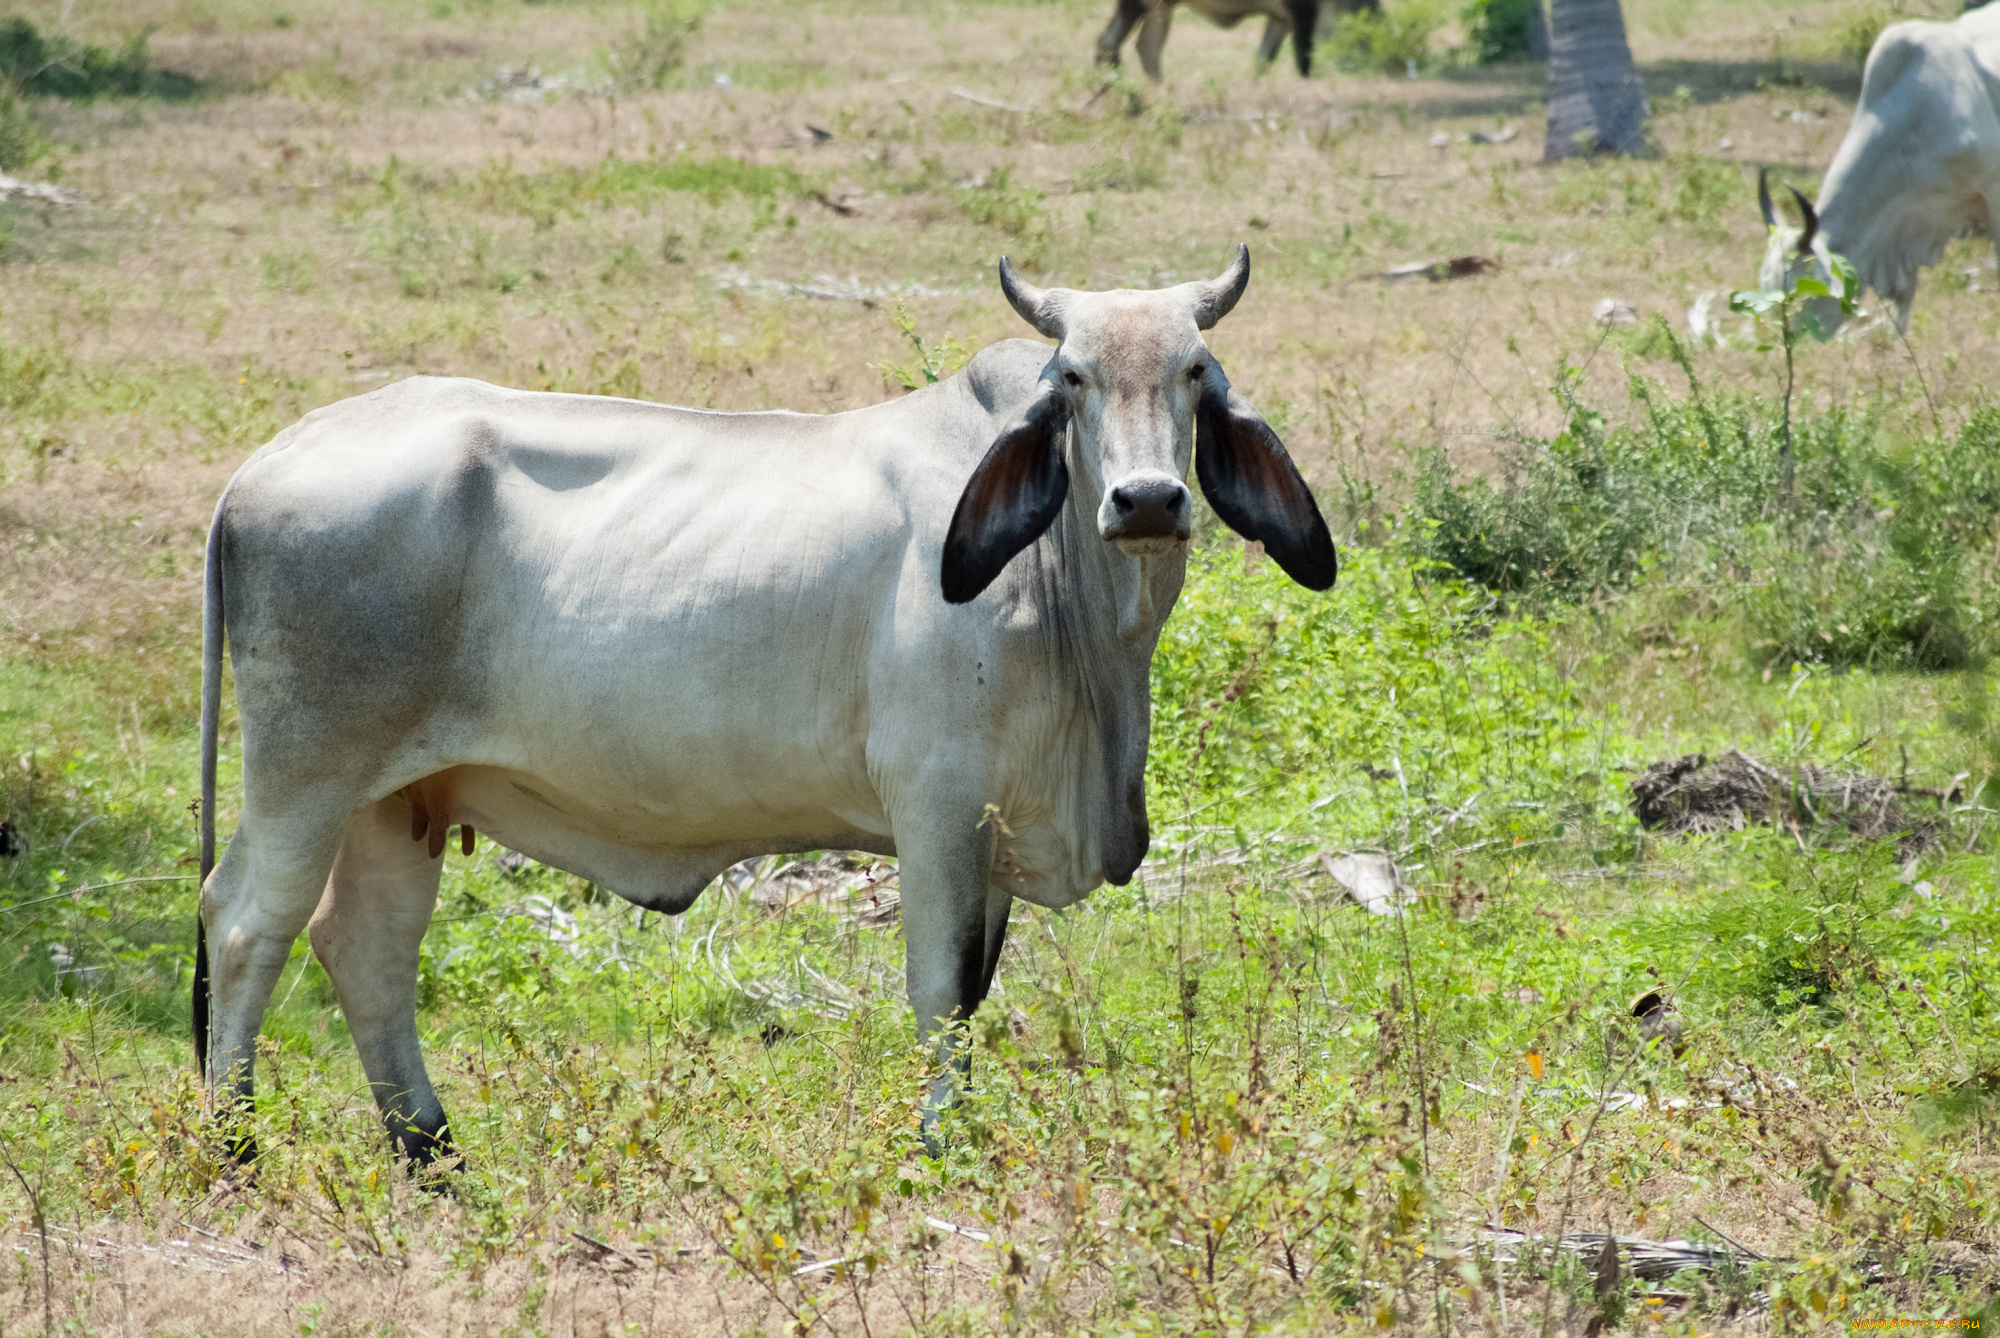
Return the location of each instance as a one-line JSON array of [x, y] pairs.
[[1439, 271], [1692, 795]]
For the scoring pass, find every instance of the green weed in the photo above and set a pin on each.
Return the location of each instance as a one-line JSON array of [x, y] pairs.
[[58, 67], [1881, 556], [1498, 29], [1120, 173], [657, 46], [1853, 35], [1392, 40], [935, 360], [22, 141], [1003, 203], [614, 182]]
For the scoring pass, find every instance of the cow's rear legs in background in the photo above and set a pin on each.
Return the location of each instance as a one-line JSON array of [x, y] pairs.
[[1305, 25], [1123, 19], [1275, 32], [366, 933], [252, 908], [954, 925], [1153, 38]]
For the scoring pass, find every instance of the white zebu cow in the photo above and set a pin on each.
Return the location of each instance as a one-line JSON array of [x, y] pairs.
[[642, 643], [1921, 161]]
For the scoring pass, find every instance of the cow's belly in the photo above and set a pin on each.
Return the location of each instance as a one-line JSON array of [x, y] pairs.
[[650, 850]]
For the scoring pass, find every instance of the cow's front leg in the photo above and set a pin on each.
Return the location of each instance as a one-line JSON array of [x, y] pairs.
[[954, 925], [1275, 31]]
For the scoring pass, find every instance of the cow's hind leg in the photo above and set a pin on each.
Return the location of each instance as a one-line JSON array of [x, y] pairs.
[[1153, 37], [252, 908], [377, 907], [1123, 19]]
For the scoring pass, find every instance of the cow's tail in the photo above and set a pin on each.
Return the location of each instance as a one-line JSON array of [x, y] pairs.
[[211, 716]]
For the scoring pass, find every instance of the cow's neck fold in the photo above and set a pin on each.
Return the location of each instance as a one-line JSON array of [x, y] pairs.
[[1109, 615]]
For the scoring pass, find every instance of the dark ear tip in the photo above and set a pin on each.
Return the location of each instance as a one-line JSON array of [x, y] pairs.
[[1320, 570], [956, 584], [959, 577]]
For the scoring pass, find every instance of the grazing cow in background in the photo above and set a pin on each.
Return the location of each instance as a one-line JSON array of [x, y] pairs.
[[1282, 18], [1791, 254], [1921, 161], [642, 643]]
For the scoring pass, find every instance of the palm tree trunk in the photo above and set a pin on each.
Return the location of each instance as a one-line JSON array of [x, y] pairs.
[[1596, 103], [1538, 31]]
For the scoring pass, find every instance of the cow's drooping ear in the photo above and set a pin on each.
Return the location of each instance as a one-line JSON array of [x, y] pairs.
[[1253, 485], [1014, 495]]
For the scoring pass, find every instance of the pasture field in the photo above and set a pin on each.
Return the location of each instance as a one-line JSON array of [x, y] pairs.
[[1224, 1099]]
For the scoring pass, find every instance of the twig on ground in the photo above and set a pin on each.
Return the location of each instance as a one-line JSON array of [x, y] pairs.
[[42, 1226], [984, 101]]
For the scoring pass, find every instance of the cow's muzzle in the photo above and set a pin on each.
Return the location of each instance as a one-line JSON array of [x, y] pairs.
[[1147, 514]]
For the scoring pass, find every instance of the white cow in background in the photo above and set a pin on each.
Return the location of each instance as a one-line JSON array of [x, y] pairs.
[[642, 643], [1919, 166]]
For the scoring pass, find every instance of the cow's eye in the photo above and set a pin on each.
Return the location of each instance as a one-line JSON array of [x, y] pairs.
[[1072, 379], [1194, 372]]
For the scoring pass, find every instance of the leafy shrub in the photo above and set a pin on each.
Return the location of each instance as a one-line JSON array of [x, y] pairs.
[[1703, 190], [1391, 40], [1805, 934], [1896, 565], [57, 67], [1121, 173], [1003, 203], [1500, 29], [1885, 556], [1588, 509], [648, 56], [21, 142], [1853, 34]]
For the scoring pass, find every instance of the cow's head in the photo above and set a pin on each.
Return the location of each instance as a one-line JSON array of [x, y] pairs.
[[1791, 254], [1120, 403]]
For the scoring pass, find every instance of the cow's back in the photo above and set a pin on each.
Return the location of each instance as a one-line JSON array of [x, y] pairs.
[[1922, 151], [673, 604]]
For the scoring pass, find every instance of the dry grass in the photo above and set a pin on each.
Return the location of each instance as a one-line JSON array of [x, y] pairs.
[[246, 241]]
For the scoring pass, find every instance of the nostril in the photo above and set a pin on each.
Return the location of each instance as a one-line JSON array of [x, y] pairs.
[[1123, 501]]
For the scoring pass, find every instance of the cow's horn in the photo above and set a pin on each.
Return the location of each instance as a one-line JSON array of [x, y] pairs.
[[1043, 310], [1764, 197], [1215, 298], [1811, 217]]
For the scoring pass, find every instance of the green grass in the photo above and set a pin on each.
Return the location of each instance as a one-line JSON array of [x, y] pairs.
[[32, 63], [1221, 1058]]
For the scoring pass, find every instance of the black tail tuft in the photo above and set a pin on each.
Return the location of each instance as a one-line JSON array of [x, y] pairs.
[[201, 997]]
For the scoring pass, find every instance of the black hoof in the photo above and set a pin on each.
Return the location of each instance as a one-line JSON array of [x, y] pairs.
[[428, 1152], [229, 1126]]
